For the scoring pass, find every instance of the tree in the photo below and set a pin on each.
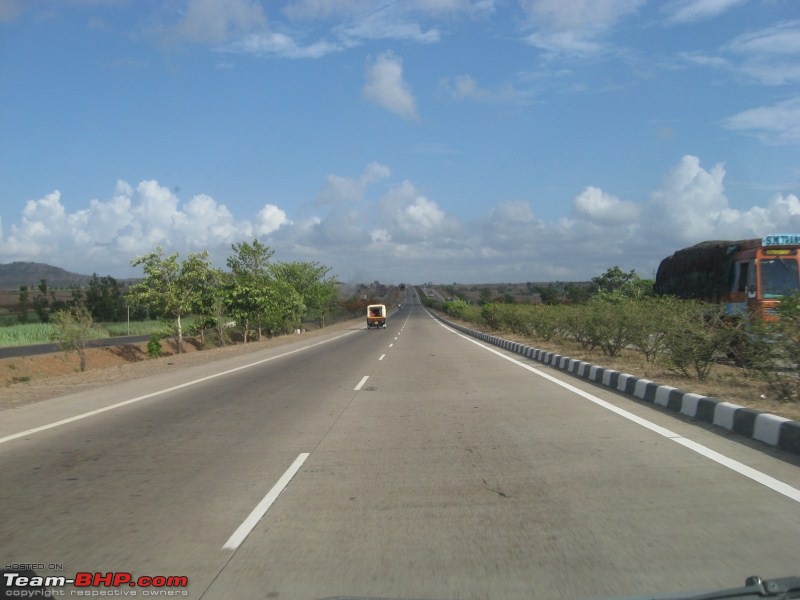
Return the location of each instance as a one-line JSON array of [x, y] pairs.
[[629, 285], [23, 304], [74, 329], [104, 299], [210, 305], [41, 303], [171, 288], [310, 281], [247, 293]]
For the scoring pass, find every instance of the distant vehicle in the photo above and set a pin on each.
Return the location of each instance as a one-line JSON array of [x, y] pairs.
[[748, 276], [376, 316]]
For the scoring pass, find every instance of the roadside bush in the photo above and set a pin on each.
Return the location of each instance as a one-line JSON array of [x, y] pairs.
[[455, 308], [774, 350], [609, 325], [73, 329], [574, 325], [701, 336], [154, 346], [653, 318]]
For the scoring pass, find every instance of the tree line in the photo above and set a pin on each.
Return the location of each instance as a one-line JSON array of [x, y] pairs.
[[253, 297]]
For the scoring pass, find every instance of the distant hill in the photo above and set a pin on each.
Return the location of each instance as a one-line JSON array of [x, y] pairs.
[[15, 274]]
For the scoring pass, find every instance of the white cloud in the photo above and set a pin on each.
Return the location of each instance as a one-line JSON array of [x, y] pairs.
[[579, 14], [596, 205], [465, 87], [266, 43], [690, 11], [768, 56], [215, 21], [338, 190], [573, 27], [409, 216], [776, 124], [404, 234], [386, 87], [270, 218]]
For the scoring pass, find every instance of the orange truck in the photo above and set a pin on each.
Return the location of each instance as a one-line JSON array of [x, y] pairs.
[[376, 316], [748, 276]]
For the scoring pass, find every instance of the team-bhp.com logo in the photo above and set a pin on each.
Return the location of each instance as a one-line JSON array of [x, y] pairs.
[[116, 583]]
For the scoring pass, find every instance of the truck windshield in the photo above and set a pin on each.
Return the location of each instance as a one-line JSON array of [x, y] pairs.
[[779, 276]]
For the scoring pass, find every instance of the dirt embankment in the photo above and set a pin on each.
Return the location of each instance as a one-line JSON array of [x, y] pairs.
[[33, 378]]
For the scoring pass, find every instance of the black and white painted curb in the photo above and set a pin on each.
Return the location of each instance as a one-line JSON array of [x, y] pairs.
[[771, 429]]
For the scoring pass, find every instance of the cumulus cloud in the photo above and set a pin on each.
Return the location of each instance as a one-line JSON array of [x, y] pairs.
[[338, 190], [596, 205], [405, 232], [386, 87], [133, 221]]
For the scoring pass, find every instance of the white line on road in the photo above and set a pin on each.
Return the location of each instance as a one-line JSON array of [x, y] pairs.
[[91, 413], [382, 357], [390, 345], [262, 507], [361, 383], [734, 465]]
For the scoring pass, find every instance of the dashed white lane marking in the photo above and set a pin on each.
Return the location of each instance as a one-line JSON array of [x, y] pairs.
[[757, 476], [382, 357], [361, 383], [262, 507], [390, 345]]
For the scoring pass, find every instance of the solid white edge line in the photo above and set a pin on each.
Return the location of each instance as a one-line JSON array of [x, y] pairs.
[[753, 474], [361, 383], [262, 507], [91, 413]]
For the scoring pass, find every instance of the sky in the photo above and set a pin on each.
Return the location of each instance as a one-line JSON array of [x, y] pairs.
[[469, 141]]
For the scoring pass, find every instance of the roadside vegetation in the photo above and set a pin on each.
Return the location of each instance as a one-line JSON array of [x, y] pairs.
[[179, 297], [619, 319]]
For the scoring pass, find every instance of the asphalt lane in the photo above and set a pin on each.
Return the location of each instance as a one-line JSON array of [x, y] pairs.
[[448, 473]]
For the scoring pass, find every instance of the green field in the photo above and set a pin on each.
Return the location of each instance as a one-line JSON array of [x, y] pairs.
[[42, 333]]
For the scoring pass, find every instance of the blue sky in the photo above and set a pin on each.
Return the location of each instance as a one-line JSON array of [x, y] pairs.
[[428, 140]]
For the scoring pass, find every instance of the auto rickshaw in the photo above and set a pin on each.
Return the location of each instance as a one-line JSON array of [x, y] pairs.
[[376, 316]]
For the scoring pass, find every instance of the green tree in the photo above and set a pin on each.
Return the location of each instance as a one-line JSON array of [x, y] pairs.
[[104, 299], [247, 293], [549, 294], [41, 302], [211, 307], [310, 280], [171, 288], [773, 349], [74, 329], [618, 283], [23, 303]]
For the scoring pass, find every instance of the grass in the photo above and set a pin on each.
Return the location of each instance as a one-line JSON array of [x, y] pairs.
[[41, 333]]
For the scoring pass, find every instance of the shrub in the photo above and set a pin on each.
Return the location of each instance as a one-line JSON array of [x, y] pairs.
[[774, 350], [703, 335], [154, 346]]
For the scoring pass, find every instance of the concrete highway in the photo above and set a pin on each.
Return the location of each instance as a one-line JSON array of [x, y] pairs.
[[411, 461]]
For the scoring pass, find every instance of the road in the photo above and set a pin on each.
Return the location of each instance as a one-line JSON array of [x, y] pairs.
[[427, 466]]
